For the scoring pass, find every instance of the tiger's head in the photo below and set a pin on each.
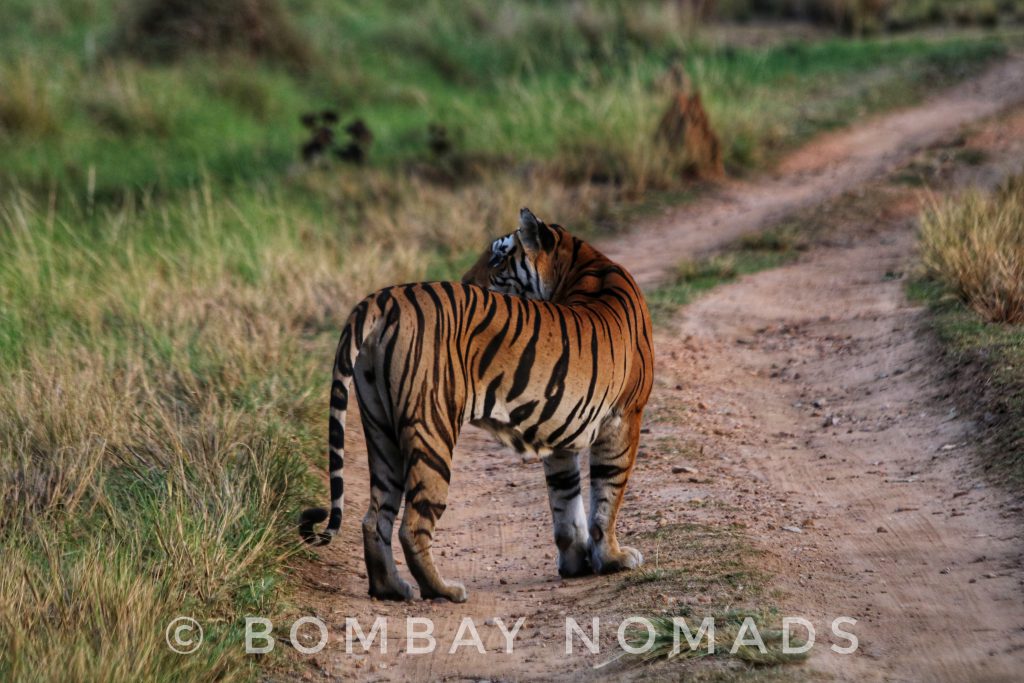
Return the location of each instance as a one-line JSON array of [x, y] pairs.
[[525, 262]]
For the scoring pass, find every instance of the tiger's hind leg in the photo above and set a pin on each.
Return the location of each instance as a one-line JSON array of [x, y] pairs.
[[379, 522], [386, 485], [611, 461], [426, 497], [562, 472]]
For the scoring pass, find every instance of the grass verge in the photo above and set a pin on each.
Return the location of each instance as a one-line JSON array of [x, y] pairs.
[[700, 571], [750, 254], [987, 367], [972, 249]]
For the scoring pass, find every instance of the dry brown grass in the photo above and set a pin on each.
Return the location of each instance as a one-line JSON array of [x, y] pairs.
[[122, 503], [974, 244]]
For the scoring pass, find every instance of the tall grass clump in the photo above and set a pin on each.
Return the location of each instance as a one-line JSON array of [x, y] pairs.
[[974, 245]]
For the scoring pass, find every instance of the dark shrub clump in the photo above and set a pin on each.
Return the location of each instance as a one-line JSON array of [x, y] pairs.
[[166, 30]]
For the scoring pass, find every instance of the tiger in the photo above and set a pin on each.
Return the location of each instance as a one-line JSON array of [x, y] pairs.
[[545, 343]]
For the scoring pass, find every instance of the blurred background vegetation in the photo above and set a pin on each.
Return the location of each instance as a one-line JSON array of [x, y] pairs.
[[152, 95], [173, 272]]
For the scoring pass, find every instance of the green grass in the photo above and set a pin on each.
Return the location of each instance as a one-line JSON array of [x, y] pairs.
[[751, 254]]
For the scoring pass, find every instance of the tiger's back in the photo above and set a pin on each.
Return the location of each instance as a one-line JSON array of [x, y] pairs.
[[539, 374]]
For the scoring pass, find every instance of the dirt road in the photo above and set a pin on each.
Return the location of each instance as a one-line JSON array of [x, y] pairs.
[[827, 167], [832, 381], [798, 424]]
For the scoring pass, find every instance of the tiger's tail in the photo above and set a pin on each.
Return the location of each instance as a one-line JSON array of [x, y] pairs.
[[359, 323]]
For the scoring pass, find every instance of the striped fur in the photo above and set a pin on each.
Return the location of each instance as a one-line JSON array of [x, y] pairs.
[[547, 344]]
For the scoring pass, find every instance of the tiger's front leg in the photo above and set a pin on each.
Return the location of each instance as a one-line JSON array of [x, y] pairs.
[[611, 461], [562, 472]]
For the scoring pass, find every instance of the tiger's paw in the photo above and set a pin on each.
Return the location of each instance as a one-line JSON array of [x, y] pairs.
[[452, 590], [626, 558], [574, 562], [570, 572], [392, 590]]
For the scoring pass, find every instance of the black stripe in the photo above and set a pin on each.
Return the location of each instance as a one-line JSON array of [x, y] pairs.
[[336, 433], [433, 461], [521, 378], [522, 412], [556, 384], [605, 471], [491, 350], [490, 397], [562, 481]]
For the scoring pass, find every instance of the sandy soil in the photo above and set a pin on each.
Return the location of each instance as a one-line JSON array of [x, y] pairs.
[[827, 361], [806, 406]]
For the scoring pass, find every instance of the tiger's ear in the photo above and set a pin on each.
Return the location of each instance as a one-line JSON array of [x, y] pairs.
[[534, 233]]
